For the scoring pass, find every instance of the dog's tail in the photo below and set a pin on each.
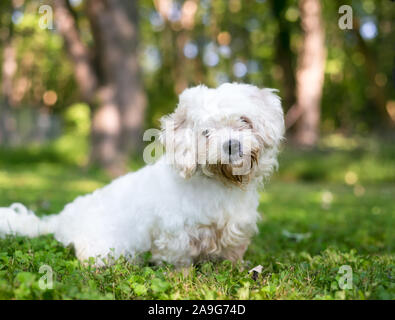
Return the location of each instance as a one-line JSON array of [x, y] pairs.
[[18, 220]]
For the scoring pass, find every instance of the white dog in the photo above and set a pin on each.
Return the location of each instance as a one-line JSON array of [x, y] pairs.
[[192, 204]]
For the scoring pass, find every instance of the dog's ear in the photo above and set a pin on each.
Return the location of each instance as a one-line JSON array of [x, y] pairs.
[[178, 135], [270, 119]]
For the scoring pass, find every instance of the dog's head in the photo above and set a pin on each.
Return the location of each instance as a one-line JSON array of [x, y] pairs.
[[231, 133]]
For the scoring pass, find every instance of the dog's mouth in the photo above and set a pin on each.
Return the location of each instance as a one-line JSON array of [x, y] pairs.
[[236, 159], [238, 171]]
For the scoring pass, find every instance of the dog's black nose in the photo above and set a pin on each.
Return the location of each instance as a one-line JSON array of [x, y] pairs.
[[232, 147]]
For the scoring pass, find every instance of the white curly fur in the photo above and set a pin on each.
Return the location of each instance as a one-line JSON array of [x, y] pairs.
[[184, 211]]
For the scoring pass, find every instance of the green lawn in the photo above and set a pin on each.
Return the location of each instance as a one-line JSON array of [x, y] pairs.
[[325, 208]]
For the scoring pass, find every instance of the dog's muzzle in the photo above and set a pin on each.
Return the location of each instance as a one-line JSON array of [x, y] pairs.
[[232, 147]]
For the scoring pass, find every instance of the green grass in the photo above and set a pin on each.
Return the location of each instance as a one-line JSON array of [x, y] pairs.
[[340, 200]]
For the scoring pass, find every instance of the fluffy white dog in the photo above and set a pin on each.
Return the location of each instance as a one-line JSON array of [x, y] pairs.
[[197, 202]]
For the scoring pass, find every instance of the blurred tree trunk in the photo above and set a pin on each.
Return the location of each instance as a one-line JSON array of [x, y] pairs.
[[309, 76], [109, 77], [284, 53], [9, 67], [114, 26]]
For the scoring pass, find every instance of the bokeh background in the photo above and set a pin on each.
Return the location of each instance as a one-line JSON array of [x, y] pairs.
[[78, 91], [87, 77]]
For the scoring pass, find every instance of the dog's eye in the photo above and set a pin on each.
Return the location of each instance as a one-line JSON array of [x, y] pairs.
[[205, 133], [246, 121]]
